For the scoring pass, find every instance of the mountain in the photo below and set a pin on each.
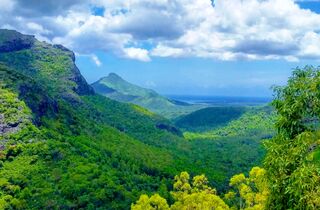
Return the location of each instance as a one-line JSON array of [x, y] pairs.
[[209, 118], [65, 147], [116, 88], [62, 146]]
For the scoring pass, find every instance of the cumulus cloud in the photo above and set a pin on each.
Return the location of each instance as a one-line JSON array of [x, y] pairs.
[[137, 53], [6, 5], [226, 30]]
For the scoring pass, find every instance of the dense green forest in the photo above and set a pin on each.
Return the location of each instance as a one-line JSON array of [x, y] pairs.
[[291, 175], [253, 122], [62, 146], [209, 118], [65, 147]]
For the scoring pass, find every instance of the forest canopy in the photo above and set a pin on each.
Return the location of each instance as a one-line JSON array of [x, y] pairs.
[[290, 178]]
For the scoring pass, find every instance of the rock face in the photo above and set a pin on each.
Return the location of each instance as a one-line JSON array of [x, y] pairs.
[[13, 113], [14, 41], [43, 61], [82, 87], [7, 128]]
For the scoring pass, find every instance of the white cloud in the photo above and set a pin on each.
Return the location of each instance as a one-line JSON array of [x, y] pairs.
[[310, 45], [96, 60], [137, 53], [6, 5], [232, 29], [165, 51]]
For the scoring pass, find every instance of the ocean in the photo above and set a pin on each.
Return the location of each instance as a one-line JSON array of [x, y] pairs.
[[222, 100]]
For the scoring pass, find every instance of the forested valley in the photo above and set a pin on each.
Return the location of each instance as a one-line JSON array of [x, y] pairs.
[[65, 146]]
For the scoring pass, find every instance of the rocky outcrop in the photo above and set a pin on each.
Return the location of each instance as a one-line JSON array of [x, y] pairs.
[[8, 128], [82, 88], [49, 55], [11, 41]]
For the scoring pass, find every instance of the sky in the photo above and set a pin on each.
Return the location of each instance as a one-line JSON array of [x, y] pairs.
[[179, 47]]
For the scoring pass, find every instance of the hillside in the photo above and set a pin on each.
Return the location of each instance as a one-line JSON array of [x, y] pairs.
[[209, 118], [116, 88], [253, 122], [65, 147]]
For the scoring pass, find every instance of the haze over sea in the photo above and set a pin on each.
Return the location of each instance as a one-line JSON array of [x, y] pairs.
[[222, 100]]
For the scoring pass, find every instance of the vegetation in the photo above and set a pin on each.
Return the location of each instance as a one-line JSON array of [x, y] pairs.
[[257, 123], [249, 194], [291, 178], [292, 160], [197, 195], [64, 147], [209, 118]]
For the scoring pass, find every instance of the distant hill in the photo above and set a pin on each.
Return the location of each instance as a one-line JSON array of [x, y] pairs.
[[209, 118], [116, 88], [229, 122]]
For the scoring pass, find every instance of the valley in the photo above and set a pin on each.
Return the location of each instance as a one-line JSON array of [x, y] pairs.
[[160, 105], [59, 133], [65, 144]]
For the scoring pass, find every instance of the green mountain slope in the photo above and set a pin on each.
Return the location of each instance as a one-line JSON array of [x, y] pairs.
[[64, 147], [116, 88], [83, 145], [209, 118], [254, 122]]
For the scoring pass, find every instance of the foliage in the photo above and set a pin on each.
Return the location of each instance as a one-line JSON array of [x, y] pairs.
[[209, 118], [249, 193], [73, 149], [255, 122], [154, 202], [195, 195], [79, 143], [292, 168]]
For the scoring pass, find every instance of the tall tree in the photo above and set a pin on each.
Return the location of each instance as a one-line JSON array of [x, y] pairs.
[[291, 163]]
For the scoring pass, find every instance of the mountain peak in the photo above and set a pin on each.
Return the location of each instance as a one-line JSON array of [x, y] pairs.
[[53, 64], [11, 40], [116, 88], [114, 76]]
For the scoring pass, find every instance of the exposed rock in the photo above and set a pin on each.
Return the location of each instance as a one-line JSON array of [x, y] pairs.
[[313, 147], [61, 47], [82, 88], [7, 128], [11, 40]]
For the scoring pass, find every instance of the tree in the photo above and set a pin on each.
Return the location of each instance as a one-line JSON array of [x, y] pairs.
[[196, 196], [155, 202], [249, 193], [292, 172]]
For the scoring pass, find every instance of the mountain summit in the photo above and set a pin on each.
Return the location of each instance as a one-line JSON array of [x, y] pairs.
[[53, 65], [116, 88]]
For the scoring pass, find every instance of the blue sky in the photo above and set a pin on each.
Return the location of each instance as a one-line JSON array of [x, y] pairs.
[[195, 76], [234, 48]]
